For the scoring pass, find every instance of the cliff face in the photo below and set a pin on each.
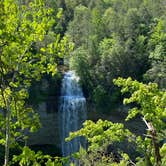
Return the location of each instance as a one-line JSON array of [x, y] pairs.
[[48, 134], [44, 97]]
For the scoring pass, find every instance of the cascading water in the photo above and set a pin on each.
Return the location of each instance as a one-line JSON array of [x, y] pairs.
[[72, 112]]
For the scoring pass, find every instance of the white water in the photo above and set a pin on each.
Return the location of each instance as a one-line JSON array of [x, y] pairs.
[[72, 112]]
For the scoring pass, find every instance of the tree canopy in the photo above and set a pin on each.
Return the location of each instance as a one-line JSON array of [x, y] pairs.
[[28, 49]]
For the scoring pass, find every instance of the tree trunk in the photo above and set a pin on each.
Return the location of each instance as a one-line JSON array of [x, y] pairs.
[[156, 147], [153, 134], [7, 143]]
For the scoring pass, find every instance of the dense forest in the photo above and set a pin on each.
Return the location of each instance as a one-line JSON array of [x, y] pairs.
[[118, 50]]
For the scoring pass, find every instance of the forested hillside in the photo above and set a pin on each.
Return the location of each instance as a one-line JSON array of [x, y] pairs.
[[118, 50], [117, 38]]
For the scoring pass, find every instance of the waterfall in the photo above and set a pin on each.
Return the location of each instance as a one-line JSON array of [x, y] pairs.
[[72, 112]]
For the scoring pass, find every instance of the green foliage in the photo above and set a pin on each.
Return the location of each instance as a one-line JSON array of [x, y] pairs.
[[78, 30], [112, 38], [80, 62], [157, 55], [163, 154], [152, 107], [119, 39], [100, 158], [101, 99], [150, 99], [150, 103], [99, 135], [28, 49], [30, 158]]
